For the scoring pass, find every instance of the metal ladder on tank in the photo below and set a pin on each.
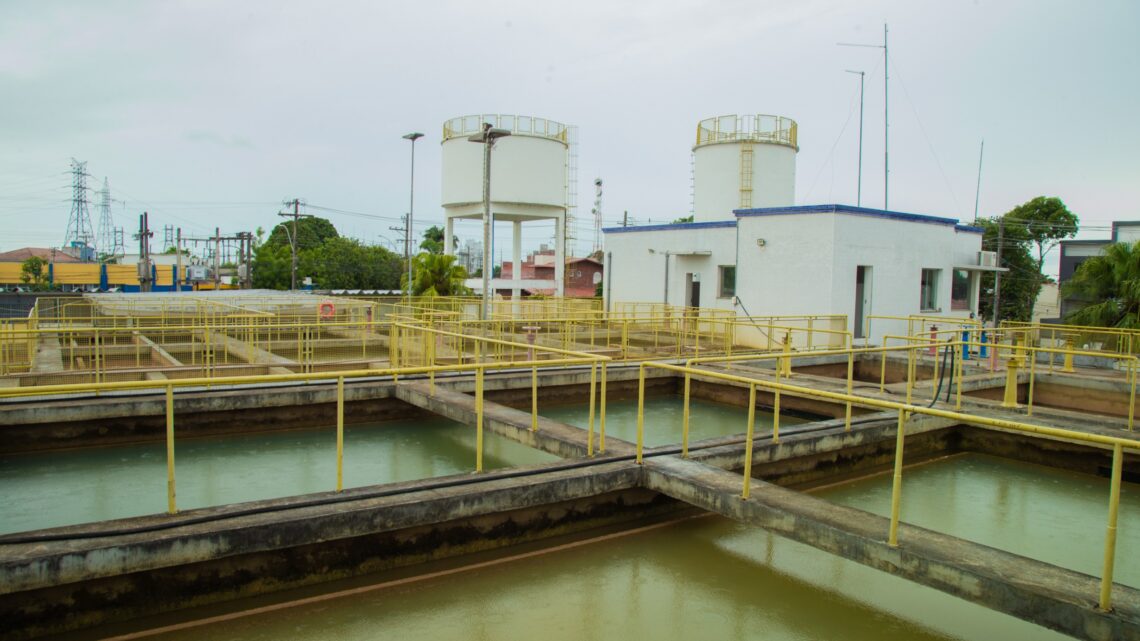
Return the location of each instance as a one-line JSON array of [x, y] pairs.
[[746, 175]]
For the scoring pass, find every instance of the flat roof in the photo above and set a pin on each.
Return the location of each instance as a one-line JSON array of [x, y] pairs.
[[855, 211]]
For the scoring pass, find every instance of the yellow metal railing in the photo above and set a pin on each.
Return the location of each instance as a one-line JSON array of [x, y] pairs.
[[518, 125], [751, 128], [557, 358], [904, 411]]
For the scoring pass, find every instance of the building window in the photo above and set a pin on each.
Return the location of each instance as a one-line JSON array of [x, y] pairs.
[[960, 291], [727, 281], [929, 295]]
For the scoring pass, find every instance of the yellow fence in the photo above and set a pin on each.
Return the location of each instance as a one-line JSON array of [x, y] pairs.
[[904, 411]]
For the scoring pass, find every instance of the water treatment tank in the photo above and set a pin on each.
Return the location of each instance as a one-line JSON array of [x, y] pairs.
[[741, 162]]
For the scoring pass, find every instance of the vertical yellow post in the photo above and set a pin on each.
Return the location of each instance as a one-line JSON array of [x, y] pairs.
[[1132, 391], [479, 419], [339, 433], [1110, 532], [787, 362], [685, 419], [431, 361], [958, 377], [593, 401], [640, 412], [747, 489], [776, 409], [171, 505], [602, 414], [1032, 354], [534, 398], [910, 367], [1010, 398], [896, 487], [850, 388], [883, 370]]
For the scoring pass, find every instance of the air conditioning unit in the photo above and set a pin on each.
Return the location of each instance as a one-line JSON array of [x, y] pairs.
[[987, 259]]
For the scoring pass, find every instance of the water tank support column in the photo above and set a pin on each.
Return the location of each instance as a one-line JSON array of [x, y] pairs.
[[516, 260]]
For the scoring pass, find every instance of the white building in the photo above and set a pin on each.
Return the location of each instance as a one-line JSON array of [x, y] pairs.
[[823, 259]]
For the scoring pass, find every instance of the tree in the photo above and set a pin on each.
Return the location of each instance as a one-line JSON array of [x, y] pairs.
[[683, 219], [1045, 221], [33, 273], [1022, 279], [312, 232], [436, 275], [1109, 285], [346, 263], [433, 240]]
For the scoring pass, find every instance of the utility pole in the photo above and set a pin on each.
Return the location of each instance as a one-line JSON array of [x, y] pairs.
[[997, 274], [414, 136], [859, 188], [296, 202], [145, 277], [625, 219], [407, 231], [217, 251], [178, 250]]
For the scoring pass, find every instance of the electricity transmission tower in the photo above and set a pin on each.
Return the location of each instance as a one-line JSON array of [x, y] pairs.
[[105, 240], [79, 232]]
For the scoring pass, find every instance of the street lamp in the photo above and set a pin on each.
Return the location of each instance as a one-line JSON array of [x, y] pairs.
[[414, 136], [487, 137]]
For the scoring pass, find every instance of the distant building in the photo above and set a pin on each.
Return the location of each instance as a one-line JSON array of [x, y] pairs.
[[50, 254], [582, 275], [1075, 252]]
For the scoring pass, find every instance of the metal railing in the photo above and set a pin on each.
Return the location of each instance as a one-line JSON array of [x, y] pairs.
[[518, 125], [904, 411], [761, 128], [554, 358]]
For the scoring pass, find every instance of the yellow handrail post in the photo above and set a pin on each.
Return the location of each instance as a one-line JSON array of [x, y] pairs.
[[685, 419], [958, 396], [896, 487], [339, 433], [171, 505], [776, 408], [747, 490], [1068, 355], [479, 419], [1032, 353], [850, 388], [602, 414], [787, 362], [1010, 398], [1132, 392], [534, 398], [640, 411], [593, 401], [883, 370], [910, 367], [1110, 531]]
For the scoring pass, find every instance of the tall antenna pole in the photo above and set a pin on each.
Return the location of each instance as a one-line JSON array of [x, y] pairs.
[[859, 188], [886, 124], [414, 136], [886, 115], [978, 190]]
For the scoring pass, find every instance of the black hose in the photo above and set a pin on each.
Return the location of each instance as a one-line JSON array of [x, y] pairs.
[[941, 377]]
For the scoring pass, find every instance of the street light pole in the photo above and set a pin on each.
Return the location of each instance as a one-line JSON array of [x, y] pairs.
[[487, 138], [414, 136]]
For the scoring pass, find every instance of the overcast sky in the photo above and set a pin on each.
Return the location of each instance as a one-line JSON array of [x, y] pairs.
[[210, 113]]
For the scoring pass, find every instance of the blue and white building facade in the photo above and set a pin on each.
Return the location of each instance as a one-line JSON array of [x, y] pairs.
[[820, 259]]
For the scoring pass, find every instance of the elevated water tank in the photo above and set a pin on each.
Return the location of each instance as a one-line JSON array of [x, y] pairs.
[[740, 162], [528, 168], [532, 176]]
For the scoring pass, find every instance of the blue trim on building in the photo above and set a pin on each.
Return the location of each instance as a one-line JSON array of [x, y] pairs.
[[969, 228], [845, 209], [706, 225]]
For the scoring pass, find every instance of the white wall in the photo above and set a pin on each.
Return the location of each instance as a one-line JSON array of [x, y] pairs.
[[636, 274], [805, 265]]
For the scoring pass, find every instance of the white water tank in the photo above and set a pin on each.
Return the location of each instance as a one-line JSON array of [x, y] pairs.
[[528, 168], [743, 162]]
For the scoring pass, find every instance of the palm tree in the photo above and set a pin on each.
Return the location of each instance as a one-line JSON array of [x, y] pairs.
[[436, 275], [1109, 285]]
